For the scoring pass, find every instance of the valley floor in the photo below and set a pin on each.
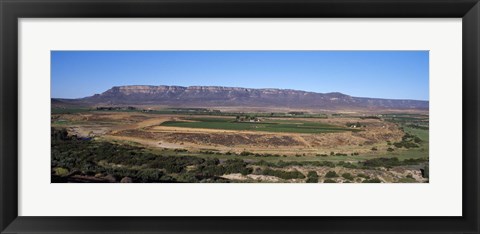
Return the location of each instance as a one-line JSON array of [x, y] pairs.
[[215, 147]]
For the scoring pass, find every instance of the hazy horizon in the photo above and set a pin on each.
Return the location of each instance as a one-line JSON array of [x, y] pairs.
[[372, 74]]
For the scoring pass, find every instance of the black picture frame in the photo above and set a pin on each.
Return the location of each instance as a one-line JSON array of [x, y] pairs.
[[11, 11]]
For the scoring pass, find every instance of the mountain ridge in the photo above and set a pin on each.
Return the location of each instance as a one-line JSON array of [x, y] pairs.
[[214, 96]]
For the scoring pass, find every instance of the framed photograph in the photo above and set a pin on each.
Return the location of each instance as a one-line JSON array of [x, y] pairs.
[[239, 116]]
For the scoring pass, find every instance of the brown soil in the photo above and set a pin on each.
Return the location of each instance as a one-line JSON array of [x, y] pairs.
[[145, 129]]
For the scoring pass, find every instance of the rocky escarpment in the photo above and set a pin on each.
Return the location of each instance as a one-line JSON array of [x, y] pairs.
[[213, 96]]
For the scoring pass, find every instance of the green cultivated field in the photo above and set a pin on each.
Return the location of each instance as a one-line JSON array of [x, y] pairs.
[[287, 126]]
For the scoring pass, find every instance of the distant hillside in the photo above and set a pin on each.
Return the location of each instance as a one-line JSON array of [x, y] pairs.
[[215, 96]]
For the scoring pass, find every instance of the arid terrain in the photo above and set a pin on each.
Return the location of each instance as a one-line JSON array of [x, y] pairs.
[[218, 146], [148, 129], [229, 134]]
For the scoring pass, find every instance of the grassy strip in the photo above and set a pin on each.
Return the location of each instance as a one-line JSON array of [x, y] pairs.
[[267, 126]]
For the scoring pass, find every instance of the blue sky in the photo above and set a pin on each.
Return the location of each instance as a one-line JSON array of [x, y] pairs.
[[378, 74]]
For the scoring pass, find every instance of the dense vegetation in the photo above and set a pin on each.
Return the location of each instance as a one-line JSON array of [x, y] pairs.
[[286, 175], [408, 141], [82, 159], [282, 164], [391, 162], [312, 177], [90, 158], [331, 174]]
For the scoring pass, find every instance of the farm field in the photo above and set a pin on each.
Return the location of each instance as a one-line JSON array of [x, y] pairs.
[[270, 125], [224, 147]]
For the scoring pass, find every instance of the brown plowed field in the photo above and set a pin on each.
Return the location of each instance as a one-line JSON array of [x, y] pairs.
[[145, 129]]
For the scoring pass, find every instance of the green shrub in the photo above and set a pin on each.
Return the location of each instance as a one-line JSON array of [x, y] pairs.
[[391, 162], [245, 153], [407, 180], [407, 145], [346, 164], [312, 177], [374, 180], [361, 175], [347, 176], [425, 171], [149, 175], [286, 175], [329, 181], [331, 174], [408, 141], [283, 164], [61, 171]]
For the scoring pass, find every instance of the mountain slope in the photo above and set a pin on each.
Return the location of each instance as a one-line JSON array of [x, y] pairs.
[[216, 96]]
